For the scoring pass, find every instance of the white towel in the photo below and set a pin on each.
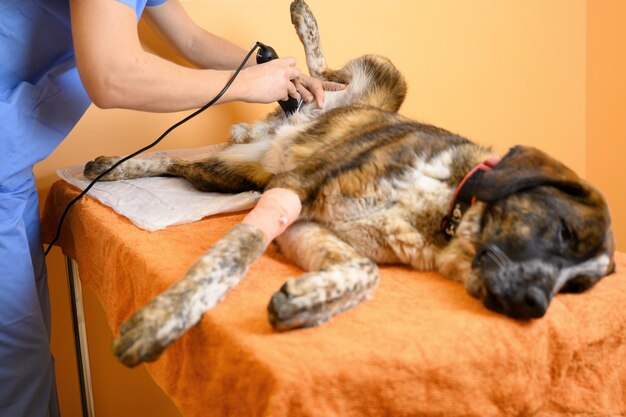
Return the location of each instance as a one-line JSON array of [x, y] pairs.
[[158, 202]]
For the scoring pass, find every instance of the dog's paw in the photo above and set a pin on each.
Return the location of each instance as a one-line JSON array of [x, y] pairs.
[[314, 299], [299, 11], [142, 338], [100, 165], [293, 307]]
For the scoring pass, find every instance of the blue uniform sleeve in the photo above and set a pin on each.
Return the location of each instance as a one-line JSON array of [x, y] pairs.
[[139, 5], [133, 4]]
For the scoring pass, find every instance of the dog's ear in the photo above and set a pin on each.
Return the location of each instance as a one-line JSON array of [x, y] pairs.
[[526, 167]]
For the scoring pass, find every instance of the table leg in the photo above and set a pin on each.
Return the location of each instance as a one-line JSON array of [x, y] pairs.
[[80, 338]]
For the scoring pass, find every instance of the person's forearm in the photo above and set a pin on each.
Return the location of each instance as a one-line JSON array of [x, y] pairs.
[[118, 73], [197, 45], [158, 85], [211, 51]]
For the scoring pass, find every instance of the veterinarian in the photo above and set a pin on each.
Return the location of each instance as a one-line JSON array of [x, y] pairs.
[[56, 58]]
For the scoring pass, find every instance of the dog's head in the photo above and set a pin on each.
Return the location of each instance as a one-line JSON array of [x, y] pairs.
[[538, 229]]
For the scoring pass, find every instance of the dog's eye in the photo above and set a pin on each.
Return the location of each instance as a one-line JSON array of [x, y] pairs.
[[566, 233]]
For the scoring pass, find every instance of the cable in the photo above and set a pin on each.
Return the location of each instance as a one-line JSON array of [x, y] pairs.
[[145, 148]]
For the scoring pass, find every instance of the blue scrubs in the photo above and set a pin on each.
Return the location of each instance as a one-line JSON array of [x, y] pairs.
[[41, 99]]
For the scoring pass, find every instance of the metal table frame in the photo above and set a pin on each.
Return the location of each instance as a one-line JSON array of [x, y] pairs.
[[80, 338]]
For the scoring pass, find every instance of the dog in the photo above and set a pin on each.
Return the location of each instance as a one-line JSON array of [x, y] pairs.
[[378, 188]]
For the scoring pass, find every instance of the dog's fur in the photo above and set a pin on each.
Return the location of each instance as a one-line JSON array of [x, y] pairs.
[[374, 187]]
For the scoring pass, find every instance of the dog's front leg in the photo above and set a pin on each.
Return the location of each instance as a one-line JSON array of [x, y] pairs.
[[339, 278], [164, 319]]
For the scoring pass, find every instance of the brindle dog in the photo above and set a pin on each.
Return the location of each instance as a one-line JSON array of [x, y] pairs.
[[374, 188]]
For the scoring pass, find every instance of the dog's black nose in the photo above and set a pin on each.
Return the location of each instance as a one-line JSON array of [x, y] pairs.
[[532, 303], [535, 303]]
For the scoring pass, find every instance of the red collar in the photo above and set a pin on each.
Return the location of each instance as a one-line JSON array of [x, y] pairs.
[[464, 196]]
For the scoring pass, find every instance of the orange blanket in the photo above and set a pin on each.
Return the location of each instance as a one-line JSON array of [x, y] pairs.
[[421, 347]]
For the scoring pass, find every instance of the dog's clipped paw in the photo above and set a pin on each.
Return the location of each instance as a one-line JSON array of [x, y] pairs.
[[132, 348], [141, 338], [100, 165]]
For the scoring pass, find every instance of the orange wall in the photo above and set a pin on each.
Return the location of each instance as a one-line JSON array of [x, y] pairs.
[[498, 72], [606, 106]]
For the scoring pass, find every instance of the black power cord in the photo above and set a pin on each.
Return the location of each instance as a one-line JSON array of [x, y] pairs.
[[145, 148]]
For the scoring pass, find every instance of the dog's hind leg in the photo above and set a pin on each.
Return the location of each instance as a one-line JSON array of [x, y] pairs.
[[373, 80], [339, 278], [235, 169], [308, 32], [131, 169]]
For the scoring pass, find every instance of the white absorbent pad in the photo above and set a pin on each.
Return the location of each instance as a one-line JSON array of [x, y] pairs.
[[158, 202]]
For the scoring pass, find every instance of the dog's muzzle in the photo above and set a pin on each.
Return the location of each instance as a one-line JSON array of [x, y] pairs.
[[516, 290]]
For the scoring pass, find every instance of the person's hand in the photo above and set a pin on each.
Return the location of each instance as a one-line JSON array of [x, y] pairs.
[[280, 79], [312, 89], [269, 82]]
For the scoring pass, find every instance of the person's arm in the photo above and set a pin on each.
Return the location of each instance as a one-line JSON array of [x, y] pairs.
[[197, 45], [117, 72], [206, 50]]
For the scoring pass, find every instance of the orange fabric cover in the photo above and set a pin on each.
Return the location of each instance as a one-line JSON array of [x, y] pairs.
[[422, 346]]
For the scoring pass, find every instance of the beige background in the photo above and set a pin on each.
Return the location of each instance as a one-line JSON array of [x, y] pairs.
[[551, 74]]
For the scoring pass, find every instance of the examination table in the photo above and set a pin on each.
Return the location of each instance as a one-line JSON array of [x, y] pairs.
[[421, 347]]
